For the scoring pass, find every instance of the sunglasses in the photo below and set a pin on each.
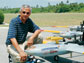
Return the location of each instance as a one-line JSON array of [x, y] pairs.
[[26, 12]]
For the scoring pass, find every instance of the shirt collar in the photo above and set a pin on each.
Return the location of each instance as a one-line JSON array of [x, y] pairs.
[[19, 20]]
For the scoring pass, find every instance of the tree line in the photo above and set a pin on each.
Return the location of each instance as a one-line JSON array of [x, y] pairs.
[[58, 8]]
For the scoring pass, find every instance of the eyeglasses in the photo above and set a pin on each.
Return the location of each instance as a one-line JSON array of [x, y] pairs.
[[26, 12]]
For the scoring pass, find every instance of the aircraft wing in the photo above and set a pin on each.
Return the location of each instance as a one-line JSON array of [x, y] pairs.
[[75, 48], [53, 31], [77, 28], [70, 34], [61, 26]]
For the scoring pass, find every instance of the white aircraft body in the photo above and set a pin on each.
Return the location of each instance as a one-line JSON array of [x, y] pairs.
[[76, 28], [67, 34], [52, 49], [70, 34]]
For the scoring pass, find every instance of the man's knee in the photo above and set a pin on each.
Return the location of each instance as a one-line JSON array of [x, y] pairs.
[[37, 40], [11, 50], [13, 53]]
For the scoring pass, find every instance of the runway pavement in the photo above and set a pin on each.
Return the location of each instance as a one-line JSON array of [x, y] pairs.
[[76, 58]]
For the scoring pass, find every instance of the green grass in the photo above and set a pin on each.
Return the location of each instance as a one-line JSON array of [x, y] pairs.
[[52, 19], [9, 16]]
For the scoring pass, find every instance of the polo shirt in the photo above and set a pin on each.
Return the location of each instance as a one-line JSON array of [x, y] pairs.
[[19, 30]]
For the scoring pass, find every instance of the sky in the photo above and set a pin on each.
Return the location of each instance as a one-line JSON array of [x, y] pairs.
[[32, 3]]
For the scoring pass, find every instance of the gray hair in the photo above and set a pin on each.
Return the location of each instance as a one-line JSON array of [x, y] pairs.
[[25, 6]]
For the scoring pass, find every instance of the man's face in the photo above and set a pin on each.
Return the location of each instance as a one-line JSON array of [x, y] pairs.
[[25, 13]]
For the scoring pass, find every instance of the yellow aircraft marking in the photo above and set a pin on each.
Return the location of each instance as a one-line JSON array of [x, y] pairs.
[[61, 26], [51, 31], [48, 39], [83, 52]]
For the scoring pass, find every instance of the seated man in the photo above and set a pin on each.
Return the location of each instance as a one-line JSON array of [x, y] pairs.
[[18, 29]]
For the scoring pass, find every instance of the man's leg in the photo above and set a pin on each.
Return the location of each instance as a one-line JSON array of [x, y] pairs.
[[13, 53]]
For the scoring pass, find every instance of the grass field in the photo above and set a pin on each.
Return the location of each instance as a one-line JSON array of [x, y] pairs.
[[52, 19]]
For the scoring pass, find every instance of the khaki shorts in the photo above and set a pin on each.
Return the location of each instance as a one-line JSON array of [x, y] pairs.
[[13, 52]]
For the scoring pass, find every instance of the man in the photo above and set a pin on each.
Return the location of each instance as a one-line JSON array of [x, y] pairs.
[[18, 29]]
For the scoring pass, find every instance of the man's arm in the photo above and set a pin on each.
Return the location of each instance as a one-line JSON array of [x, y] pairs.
[[22, 54], [15, 44], [31, 39]]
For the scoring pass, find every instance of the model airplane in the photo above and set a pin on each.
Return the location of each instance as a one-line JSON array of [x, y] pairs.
[[51, 46], [67, 34], [70, 34], [53, 49], [76, 28], [75, 31]]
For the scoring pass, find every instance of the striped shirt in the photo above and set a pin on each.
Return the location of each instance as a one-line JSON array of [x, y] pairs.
[[19, 30]]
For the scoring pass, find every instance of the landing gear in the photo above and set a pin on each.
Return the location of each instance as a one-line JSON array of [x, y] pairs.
[[56, 58], [10, 60], [32, 59]]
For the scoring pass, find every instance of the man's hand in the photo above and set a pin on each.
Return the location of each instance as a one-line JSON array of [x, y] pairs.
[[30, 42], [23, 56], [31, 39]]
